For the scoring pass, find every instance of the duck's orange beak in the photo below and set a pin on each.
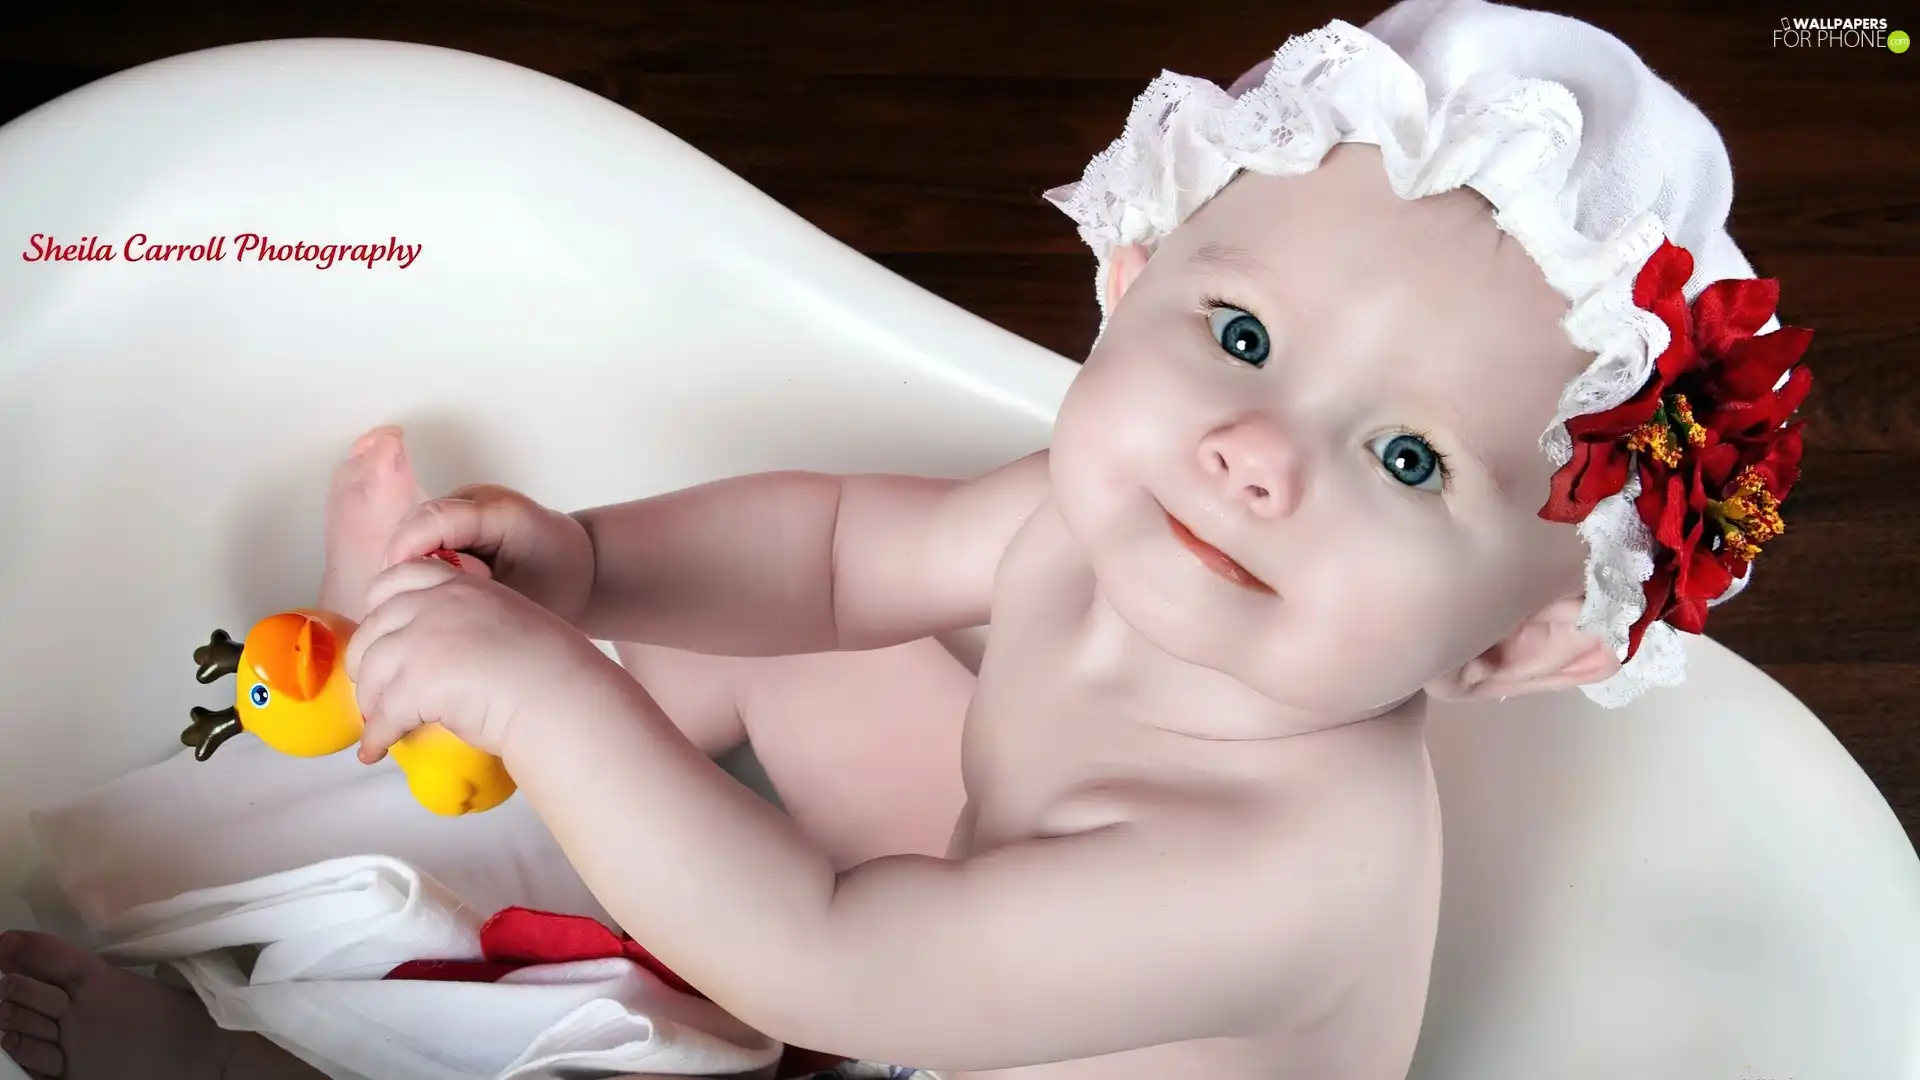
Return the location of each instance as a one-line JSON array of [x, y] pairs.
[[292, 653]]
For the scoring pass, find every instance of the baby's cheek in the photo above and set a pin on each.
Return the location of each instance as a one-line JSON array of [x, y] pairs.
[[1114, 436], [1401, 614], [1088, 484], [1457, 604]]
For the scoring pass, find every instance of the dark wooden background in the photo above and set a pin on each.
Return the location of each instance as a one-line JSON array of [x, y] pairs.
[[923, 135]]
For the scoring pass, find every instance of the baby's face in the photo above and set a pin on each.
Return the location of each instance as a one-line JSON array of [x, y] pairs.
[[1306, 452]]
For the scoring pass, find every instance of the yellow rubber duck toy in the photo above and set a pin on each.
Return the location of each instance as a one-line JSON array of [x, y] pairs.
[[291, 690]]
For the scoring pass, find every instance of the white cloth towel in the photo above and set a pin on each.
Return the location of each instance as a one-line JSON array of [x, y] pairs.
[[181, 862], [328, 934]]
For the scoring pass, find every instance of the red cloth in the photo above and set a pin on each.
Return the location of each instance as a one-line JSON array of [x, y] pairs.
[[520, 937]]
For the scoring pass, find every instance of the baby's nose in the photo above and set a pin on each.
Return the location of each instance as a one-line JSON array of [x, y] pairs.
[[1254, 465]]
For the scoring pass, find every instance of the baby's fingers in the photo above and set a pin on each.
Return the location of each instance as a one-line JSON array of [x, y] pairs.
[[373, 660], [412, 576], [466, 564], [386, 699], [392, 615], [450, 524]]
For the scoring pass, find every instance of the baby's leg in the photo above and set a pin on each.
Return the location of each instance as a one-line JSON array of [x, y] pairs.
[[697, 692], [67, 1013], [863, 748], [376, 487], [371, 491]]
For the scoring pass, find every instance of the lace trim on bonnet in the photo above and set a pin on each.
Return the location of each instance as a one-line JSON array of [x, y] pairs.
[[1515, 140]]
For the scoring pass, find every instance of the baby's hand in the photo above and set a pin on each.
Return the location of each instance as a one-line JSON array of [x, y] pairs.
[[542, 554], [442, 646]]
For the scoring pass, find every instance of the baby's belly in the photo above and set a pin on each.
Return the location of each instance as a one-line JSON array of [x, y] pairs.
[[1219, 1059], [1214, 1059], [1368, 1035]]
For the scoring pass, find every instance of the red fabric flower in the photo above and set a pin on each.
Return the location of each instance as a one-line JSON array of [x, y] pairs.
[[1707, 435], [1601, 456]]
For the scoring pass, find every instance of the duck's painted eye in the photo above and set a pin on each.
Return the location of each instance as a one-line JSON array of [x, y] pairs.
[[1244, 337], [258, 695]]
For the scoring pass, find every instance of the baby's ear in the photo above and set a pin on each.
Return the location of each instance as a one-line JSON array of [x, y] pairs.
[[1547, 652], [1123, 266]]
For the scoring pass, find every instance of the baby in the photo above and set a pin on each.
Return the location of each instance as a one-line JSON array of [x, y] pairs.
[[1300, 490]]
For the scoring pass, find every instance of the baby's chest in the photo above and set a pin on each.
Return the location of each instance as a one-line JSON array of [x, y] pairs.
[[1048, 749], [1047, 752], [1026, 751]]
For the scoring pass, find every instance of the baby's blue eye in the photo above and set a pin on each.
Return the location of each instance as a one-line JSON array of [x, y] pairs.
[[1240, 334], [1410, 460], [258, 695]]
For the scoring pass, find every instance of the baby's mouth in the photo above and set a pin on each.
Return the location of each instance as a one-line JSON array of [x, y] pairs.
[[1216, 560]]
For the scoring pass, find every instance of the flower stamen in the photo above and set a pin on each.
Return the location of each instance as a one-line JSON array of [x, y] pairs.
[[1672, 429], [1655, 439], [1681, 413], [1748, 517]]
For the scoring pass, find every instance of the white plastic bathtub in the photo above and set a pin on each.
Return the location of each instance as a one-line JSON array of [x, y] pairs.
[[1700, 887]]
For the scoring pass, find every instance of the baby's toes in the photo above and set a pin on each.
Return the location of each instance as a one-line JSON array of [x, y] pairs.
[[21, 1020], [37, 1057], [31, 995]]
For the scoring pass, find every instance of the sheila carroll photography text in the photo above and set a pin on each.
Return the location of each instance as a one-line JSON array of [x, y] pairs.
[[242, 247]]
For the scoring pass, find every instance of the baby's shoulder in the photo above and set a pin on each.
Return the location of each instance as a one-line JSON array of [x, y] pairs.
[[1326, 807], [1291, 887], [1362, 788]]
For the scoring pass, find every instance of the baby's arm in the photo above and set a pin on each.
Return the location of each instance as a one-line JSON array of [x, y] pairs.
[[785, 563], [1062, 949], [1182, 924]]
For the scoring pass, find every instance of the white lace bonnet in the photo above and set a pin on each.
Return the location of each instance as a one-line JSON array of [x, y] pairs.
[[1588, 158]]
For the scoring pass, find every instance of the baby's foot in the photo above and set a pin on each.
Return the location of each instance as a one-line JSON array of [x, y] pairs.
[[372, 490], [67, 1013]]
